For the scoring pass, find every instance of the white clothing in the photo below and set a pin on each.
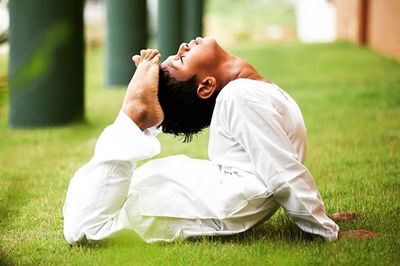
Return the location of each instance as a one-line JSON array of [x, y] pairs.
[[256, 149]]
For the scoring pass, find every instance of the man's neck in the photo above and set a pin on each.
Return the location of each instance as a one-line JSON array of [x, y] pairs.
[[236, 68]]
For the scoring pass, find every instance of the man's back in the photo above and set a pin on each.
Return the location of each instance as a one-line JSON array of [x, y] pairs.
[[244, 106]]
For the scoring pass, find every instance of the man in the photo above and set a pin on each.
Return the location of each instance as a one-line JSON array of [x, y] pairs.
[[256, 148]]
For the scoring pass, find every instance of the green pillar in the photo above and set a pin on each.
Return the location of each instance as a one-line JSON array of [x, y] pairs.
[[126, 35], [46, 65], [193, 19], [169, 29]]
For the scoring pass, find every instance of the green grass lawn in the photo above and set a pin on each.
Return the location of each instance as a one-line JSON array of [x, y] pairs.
[[350, 98]]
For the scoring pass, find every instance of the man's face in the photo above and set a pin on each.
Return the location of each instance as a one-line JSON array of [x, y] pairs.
[[197, 58]]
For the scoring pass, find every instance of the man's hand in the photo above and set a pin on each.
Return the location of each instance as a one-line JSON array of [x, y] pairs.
[[141, 100]]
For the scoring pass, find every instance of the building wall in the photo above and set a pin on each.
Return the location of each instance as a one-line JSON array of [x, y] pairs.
[[375, 23], [384, 26], [348, 19]]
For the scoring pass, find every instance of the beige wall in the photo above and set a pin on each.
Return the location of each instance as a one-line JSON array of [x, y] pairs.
[[378, 26], [384, 26], [348, 19]]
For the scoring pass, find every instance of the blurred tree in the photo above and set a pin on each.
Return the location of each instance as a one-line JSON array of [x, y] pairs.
[[3, 37]]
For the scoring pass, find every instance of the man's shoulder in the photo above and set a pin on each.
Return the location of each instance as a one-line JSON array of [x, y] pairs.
[[242, 90], [235, 89], [236, 86]]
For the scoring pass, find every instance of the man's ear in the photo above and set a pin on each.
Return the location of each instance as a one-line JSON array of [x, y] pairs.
[[206, 88]]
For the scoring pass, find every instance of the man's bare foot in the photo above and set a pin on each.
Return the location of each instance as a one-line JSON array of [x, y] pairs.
[[141, 100], [346, 215], [357, 234]]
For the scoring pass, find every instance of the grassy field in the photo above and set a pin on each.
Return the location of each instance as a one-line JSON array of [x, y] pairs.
[[350, 98]]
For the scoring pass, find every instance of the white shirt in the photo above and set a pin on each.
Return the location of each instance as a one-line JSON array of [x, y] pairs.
[[256, 148]]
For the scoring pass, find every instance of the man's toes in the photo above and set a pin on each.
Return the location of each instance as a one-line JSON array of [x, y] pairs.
[[136, 59], [143, 53], [152, 53], [148, 54], [156, 59]]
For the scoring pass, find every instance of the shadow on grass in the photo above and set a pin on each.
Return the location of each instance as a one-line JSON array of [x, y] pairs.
[[4, 260], [15, 194], [286, 232]]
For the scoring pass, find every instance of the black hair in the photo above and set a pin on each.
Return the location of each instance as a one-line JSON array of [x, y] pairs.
[[185, 114]]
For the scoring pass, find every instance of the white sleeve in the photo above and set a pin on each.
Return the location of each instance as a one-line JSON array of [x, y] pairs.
[[259, 129], [94, 206]]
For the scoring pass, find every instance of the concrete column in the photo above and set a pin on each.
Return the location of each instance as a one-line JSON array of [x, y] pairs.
[[46, 65], [193, 19], [169, 30], [126, 35]]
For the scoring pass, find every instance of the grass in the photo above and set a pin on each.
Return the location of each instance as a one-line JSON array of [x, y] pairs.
[[350, 98]]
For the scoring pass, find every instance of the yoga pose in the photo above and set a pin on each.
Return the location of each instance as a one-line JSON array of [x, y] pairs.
[[256, 151]]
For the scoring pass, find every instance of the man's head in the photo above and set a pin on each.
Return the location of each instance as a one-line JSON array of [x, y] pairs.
[[189, 84], [185, 114]]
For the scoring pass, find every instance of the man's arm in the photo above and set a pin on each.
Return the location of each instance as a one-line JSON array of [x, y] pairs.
[[96, 205]]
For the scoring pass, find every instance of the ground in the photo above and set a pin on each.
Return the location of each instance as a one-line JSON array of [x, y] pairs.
[[350, 98]]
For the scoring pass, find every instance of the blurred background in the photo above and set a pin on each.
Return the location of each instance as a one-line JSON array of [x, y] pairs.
[[268, 20], [42, 46]]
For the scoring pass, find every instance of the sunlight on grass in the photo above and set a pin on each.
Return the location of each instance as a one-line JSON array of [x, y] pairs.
[[350, 98]]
